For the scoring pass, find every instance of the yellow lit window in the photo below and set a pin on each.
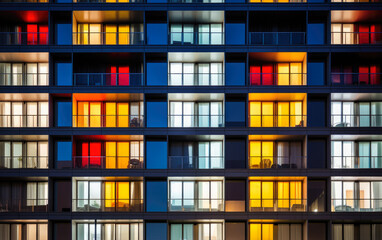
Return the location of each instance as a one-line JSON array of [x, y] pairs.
[[95, 114], [83, 114], [283, 73], [254, 194], [255, 154], [111, 34], [267, 112], [267, 231], [283, 194], [296, 118], [255, 114], [124, 34], [83, 34], [295, 192], [283, 114], [123, 114], [109, 194], [295, 74], [111, 114], [267, 194], [111, 153], [255, 231], [95, 34], [261, 154], [123, 194], [123, 153]]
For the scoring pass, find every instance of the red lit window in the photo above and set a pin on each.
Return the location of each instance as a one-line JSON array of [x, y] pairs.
[[348, 76], [363, 75], [364, 34], [267, 74], [375, 75], [43, 34], [255, 72], [262, 75], [121, 74], [90, 155], [32, 34]]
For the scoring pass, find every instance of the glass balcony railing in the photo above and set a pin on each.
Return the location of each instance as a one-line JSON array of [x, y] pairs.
[[276, 38], [107, 121], [40, 162], [277, 121], [196, 162], [195, 1], [196, 120], [107, 205], [277, 1], [109, 1], [356, 79], [24, 120], [263, 162], [356, 38], [196, 38], [277, 205], [24, 205], [108, 38], [356, 205], [196, 79], [24, 79], [356, 120], [196, 205], [356, 162], [108, 162], [356, 1], [24, 38], [277, 79], [108, 79]]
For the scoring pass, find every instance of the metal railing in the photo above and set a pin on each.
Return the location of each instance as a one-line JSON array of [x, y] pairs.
[[108, 121], [195, 1], [196, 120], [107, 205], [277, 205], [196, 79], [24, 205], [24, 38], [108, 38], [264, 162], [356, 1], [196, 204], [358, 79], [276, 38], [356, 37], [356, 120], [40, 162], [277, 1], [196, 38], [277, 120], [108, 79], [108, 1], [108, 162], [277, 79], [196, 162], [24, 1], [356, 162], [24, 79], [356, 205], [24, 120]]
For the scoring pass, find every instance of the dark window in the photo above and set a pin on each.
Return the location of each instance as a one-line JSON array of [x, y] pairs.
[[234, 231], [64, 74], [156, 114], [316, 73], [317, 231], [235, 152], [235, 33], [157, 32], [235, 114], [235, 74], [316, 195], [316, 33], [156, 196], [235, 196], [156, 231], [63, 116], [316, 112], [316, 153], [63, 154], [64, 31], [156, 154], [157, 74]]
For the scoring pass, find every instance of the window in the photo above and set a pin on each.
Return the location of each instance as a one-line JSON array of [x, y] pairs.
[[269, 154], [106, 231], [195, 74], [30, 231], [283, 74], [356, 231], [276, 196], [24, 114], [196, 196], [276, 114], [109, 114], [356, 114], [262, 231], [359, 33], [202, 34], [356, 196], [201, 230], [24, 154], [317, 195], [235, 231], [37, 194], [196, 114], [120, 196], [235, 195], [24, 74]]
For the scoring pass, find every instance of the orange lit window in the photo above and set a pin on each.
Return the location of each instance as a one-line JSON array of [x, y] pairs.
[[95, 114], [123, 114], [83, 114], [124, 34], [109, 194], [123, 153], [111, 114], [261, 154], [283, 114], [111, 34], [111, 153], [123, 194]]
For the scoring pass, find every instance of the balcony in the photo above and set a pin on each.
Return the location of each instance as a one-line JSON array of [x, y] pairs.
[[196, 162], [24, 205], [277, 205], [356, 79], [24, 79], [357, 38], [30, 162], [356, 120], [24, 121], [200, 120], [196, 38], [103, 162], [277, 1], [279, 162], [109, 79], [277, 79], [108, 38], [195, 1], [277, 120], [276, 38], [108, 1], [356, 205], [356, 162], [196, 79], [101, 121], [196, 205], [107, 205], [24, 38]]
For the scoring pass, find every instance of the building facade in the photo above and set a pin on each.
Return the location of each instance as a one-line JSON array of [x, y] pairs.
[[190, 120]]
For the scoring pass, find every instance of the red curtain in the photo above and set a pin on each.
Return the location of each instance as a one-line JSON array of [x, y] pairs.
[[267, 74], [124, 77], [364, 34], [32, 34], [363, 76], [91, 154], [43, 34], [254, 75]]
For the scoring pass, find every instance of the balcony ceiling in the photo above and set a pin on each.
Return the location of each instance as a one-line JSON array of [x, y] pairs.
[[108, 96], [356, 137], [24, 97], [276, 137], [196, 57], [24, 138], [356, 96], [196, 16], [24, 57], [355, 16], [195, 96], [278, 56], [109, 137], [108, 16], [182, 138], [276, 96], [24, 17]]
